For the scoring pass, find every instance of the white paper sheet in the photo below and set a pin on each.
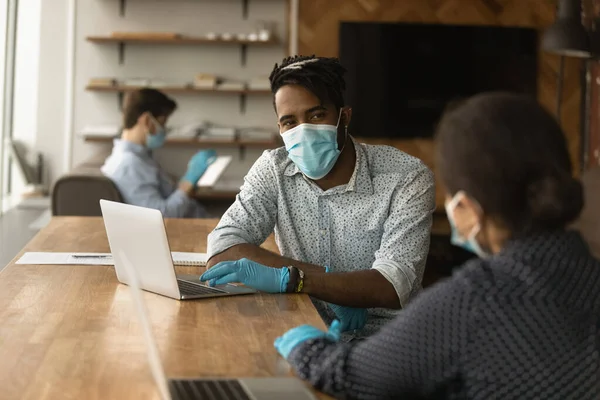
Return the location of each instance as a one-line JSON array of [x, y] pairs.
[[52, 258], [214, 171]]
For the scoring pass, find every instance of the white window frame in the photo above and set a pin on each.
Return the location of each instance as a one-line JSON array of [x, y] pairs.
[[8, 31]]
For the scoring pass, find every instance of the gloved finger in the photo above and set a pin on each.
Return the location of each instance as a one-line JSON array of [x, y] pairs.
[[277, 342], [335, 330], [211, 156], [223, 280], [221, 269]]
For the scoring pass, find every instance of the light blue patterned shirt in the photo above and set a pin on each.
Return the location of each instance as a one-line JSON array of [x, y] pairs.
[[142, 182], [381, 219]]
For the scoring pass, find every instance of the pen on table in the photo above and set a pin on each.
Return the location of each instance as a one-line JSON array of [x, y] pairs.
[[90, 256]]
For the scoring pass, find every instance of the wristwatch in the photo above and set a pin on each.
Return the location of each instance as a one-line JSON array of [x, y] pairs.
[[296, 282], [300, 284]]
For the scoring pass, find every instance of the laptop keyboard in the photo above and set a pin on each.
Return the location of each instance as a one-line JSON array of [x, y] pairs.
[[189, 289], [207, 389]]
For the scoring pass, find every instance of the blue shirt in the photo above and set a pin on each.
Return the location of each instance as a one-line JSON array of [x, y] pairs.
[[142, 182], [380, 220]]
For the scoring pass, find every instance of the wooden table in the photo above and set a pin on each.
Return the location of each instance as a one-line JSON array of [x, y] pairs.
[[71, 332]]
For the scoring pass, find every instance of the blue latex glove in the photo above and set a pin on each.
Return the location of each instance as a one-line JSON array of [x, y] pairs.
[[198, 164], [292, 338], [351, 318], [250, 273]]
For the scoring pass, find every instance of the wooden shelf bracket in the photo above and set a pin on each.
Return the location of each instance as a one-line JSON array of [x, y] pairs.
[[122, 7], [245, 4], [243, 101], [244, 53], [121, 53]]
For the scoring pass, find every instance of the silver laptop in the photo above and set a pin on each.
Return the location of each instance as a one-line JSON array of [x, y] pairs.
[[206, 388], [140, 234]]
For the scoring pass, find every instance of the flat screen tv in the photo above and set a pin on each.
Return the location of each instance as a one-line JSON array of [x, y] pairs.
[[401, 77]]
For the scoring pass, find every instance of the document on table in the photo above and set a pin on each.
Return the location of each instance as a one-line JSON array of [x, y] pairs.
[[51, 258]]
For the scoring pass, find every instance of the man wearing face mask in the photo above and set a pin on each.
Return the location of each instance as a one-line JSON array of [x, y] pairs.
[[141, 181], [352, 221]]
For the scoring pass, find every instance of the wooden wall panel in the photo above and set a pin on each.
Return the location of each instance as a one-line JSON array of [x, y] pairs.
[[318, 34]]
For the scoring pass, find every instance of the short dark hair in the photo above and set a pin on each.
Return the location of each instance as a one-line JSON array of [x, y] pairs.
[[146, 100], [322, 76], [510, 155]]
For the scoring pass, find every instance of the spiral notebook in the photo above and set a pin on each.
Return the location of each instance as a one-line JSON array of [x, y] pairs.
[[51, 258]]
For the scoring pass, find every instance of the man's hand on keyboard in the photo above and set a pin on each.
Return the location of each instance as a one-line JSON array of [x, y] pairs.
[[250, 273]]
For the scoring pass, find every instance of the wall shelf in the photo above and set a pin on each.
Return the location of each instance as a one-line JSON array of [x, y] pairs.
[[171, 89], [178, 41], [262, 144], [121, 41], [121, 90]]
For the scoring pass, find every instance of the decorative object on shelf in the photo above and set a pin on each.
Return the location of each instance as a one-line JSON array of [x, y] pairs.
[[265, 30]]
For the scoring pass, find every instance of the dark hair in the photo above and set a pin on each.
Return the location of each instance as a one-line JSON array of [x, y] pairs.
[[324, 77], [510, 155], [146, 100]]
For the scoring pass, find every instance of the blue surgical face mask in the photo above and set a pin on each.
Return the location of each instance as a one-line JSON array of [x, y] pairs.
[[313, 148], [470, 243], [158, 138]]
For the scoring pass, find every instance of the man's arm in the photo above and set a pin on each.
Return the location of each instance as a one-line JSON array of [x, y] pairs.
[[399, 261], [338, 288], [249, 220]]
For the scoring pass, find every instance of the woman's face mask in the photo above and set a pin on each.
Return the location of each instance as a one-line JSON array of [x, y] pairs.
[[313, 148], [468, 243]]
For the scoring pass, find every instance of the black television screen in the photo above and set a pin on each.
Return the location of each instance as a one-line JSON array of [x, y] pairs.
[[401, 77]]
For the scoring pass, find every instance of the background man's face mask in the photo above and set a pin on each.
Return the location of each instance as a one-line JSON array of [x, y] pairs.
[[158, 139], [313, 148], [469, 243]]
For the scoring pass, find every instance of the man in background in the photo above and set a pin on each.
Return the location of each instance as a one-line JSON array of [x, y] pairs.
[[139, 178]]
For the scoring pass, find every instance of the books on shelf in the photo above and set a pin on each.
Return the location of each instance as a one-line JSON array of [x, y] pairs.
[[188, 131], [231, 85], [107, 130], [205, 81], [109, 82], [257, 134], [218, 133]]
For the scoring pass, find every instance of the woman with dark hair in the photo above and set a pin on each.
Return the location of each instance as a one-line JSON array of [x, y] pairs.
[[520, 322]]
